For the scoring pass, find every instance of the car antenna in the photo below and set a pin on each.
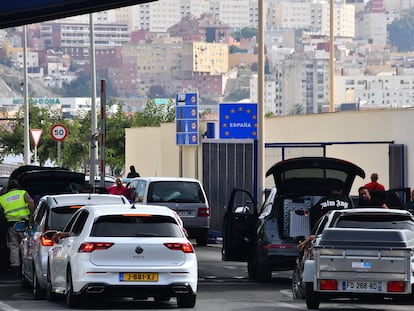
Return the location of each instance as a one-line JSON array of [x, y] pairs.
[[133, 205]]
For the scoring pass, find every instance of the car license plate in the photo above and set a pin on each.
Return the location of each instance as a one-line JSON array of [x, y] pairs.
[[184, 213], [138, 277], [368, 286]]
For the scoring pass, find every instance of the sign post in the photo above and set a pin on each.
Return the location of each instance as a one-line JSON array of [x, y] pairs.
[[186, 121], [59, 132], [36, 133]]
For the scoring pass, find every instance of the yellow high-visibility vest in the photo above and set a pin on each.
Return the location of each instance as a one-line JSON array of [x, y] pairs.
[[14, 206]]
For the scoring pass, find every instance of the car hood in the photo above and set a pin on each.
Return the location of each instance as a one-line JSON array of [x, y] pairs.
[[314, 175], [39, 180]]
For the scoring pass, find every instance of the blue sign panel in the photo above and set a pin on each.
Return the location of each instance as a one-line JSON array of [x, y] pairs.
[[238, 120], [186, 118]]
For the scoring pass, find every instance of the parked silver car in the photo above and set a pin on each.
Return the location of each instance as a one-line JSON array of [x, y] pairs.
[[51, 215], [186, 196]]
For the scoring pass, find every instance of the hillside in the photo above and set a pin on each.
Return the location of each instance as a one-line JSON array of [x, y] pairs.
[[10, 79]]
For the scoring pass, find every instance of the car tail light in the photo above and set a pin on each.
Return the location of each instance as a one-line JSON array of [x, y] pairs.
[[89, 247], [328, 284], [46, 241], [185, 247], [396, 286], [203, 212]]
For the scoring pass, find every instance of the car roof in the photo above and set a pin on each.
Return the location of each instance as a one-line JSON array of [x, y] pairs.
[[129, 209], [98, 178], [85, 199], [371, 210], [314, 175], [166, 178]]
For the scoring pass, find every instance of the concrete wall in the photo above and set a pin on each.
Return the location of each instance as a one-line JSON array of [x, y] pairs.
[[153, 150]]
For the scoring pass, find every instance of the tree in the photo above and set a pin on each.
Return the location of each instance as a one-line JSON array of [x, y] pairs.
[[235, 49], [401, 32], [75, 149], [154, 115], [115, 138], [297, 109], [246, 32]]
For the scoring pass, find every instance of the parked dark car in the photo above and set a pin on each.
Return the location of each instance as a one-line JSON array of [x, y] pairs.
[[41, 180], [267, 238]]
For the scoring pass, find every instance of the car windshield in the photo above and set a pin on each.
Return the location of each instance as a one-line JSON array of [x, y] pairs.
[[135, 226], [59, 217], [175, 191], [375, 222]]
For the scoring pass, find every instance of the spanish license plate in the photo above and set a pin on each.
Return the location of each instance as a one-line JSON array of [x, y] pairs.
[[138, 277], [183, 213], [362, 286]]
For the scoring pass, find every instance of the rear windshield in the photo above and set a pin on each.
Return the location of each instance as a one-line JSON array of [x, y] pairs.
[[136, 226], [59, 217], [175, 191], [376, 222]]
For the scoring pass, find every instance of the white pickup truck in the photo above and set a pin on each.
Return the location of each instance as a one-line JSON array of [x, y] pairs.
[[357, 253]]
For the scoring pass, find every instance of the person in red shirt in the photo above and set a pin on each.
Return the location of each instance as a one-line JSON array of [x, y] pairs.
[[118, 188], [374, 185]]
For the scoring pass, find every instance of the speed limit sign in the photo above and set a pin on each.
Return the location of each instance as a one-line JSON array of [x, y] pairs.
[[58, 132]]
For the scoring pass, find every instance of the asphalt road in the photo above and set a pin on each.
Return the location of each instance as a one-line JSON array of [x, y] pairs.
[[223, 286]]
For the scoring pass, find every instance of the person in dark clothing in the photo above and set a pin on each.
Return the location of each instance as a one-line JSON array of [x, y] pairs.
[[132, 172], [366, 200], [335, 200]]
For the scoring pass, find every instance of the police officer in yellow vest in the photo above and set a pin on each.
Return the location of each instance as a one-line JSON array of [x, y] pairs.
[[17, 205]]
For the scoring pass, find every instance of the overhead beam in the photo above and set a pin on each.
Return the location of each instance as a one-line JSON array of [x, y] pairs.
[[24, 12]]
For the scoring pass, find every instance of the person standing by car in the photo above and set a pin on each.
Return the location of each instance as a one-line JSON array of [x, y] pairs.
[[17, 205], [374, 185], [366, 200], [118, 188], [132, 172]]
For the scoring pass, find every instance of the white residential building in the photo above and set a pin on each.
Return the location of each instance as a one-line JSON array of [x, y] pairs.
[[312, 15], [381, 91], [373, 26]]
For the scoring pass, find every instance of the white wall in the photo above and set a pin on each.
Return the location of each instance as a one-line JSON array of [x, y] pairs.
[[153, 150]]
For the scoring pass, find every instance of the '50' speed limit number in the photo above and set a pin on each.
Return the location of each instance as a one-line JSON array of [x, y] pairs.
[[58, 132]]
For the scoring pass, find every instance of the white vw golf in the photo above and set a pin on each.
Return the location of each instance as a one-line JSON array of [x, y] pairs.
[[116, 251]]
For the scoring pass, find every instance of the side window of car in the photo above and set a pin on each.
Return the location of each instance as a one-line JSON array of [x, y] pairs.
[[79, 223], [140, 191], [320, 225], [267, 205], [69, 225], [39, 212]]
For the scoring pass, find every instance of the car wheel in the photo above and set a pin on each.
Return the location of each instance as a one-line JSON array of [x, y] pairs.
[[298, 291], [186, 301], [38, 292], [72, 300], [202, 238], [312, 298], [251, 270]]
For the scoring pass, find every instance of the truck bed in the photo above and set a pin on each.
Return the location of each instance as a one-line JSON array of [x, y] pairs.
[[364, 257]]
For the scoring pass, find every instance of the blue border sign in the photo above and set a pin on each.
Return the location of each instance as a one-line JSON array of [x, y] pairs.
[[238, 120], [186, 118]]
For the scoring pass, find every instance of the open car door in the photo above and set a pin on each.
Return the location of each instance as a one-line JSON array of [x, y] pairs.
[[239, 227]]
